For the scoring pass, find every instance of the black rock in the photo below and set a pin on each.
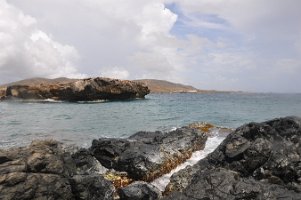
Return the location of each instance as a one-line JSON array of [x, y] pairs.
[[92, 187], [45, 171], [139, 191], [86, 163], [256, 161], [220, 183], [148, 155]]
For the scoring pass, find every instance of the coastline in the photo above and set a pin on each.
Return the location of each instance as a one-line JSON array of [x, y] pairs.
[[86, 166]]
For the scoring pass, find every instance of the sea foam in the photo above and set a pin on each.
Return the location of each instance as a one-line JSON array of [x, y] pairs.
[[212, 142]]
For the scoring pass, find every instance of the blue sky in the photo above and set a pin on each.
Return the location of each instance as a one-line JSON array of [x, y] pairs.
[[249, 45], [186, 25]]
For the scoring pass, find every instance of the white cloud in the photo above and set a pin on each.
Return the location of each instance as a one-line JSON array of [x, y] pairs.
[[298, 43], [231, 62], [131, 35], [247, 14], [27, 51], [115, 72], [288, 66], [210, 44]]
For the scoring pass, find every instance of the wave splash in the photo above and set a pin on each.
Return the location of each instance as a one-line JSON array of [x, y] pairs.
[[212, 143]]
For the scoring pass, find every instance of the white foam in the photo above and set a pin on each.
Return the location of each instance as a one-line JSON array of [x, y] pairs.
[[173, 128], [211, 144], [93, 101], [52, 101]]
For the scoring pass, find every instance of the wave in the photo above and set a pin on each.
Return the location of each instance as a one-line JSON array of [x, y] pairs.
[[91, 102], [211, 144], [16, 100]]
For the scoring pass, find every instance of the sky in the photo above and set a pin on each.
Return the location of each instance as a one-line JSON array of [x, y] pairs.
[[246, 45]]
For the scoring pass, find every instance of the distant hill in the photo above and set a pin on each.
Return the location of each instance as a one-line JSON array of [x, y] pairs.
[[161, 86], [155, 86], [38, 81], [35, 81]]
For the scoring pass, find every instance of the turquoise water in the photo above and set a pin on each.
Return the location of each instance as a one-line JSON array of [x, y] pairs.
[[79, 123]]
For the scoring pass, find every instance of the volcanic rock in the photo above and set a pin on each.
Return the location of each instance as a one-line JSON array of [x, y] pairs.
[[45, 171], [256, 161], [86, 163], [148, 155], [139, 190], [90, 89]]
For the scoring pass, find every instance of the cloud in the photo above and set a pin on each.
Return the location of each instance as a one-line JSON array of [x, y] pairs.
[[232, 45], [27, 51], [131, 35], [261, 42], [115, 72], [289, 66]]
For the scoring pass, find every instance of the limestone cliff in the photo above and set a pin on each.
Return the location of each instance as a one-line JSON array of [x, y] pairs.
[[75, 89]]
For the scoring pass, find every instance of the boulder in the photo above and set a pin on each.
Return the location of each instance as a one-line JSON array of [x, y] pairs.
[[45, 171], [139, 191], [87, 164], [221, 183], [148, 155], [90, 89], [92, 187], [256, 161]]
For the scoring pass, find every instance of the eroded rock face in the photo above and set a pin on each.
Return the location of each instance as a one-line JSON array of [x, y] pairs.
[[2, 92], [148, 155], [256, 161], [45, 171], [80, 90]]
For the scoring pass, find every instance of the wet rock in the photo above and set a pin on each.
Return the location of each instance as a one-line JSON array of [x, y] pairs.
[[92, 187], [181, 179], [119, 179], [79, 90], [45, 171], [210, 129], [148, 155], [220, 183], [202, 126], [21, 185], [256, 161], [237, 147], [86, 163], [139, 191]]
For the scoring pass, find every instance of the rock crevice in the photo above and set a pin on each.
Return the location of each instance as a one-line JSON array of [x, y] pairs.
[[148, 155]]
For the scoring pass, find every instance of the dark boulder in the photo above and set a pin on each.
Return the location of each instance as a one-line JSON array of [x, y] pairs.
[[92, 187], [148, 155], [45, 171], [220, 183], [90, 89], [139, 191], [86, 163], [256, 161]]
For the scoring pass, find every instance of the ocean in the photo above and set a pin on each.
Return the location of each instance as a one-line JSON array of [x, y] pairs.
[[80, 123]]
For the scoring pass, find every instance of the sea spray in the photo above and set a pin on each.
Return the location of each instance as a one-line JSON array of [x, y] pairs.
[[211, 144]]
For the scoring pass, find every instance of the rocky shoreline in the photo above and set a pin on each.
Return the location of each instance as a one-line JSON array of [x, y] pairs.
[[90, 89], [256, 161]]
